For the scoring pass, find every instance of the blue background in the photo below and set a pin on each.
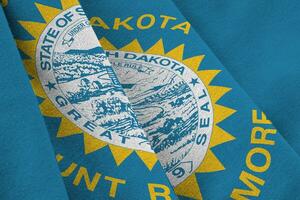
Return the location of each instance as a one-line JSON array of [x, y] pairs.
[[28, 168], [258, 42]]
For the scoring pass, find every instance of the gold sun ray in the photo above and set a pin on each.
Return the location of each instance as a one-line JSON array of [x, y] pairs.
[[217, 92], [221, 113], [33, 28], [157, 48], [104, 42], [176, 53], [67, 128], [49, 110], [189, 188], [28, 67], [207, 76], [149, 159], [66, 4], [220, 136], [210, 163], [194, 62], [37, 88], [120, 153], [92, 144], [133, 46], [48, 12], [27, 47]]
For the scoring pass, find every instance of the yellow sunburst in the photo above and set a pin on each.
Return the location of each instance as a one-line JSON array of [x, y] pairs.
[[190, 187], [66, 127]]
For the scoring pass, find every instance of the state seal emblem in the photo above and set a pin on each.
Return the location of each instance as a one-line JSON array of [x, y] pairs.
[[176, 104], [172, 105], [73, 76], [80, 82]]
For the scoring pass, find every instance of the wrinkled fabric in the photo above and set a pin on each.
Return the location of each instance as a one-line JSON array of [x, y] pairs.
[[258, 43], [27, 167]]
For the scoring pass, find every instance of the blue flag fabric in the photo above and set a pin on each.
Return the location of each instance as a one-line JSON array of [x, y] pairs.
[[258, 43], [100, 148], [211, 139], [28, 168]]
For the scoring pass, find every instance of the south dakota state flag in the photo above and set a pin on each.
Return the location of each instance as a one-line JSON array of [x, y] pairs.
[[212, 141], [154, 115], [100, 148]]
